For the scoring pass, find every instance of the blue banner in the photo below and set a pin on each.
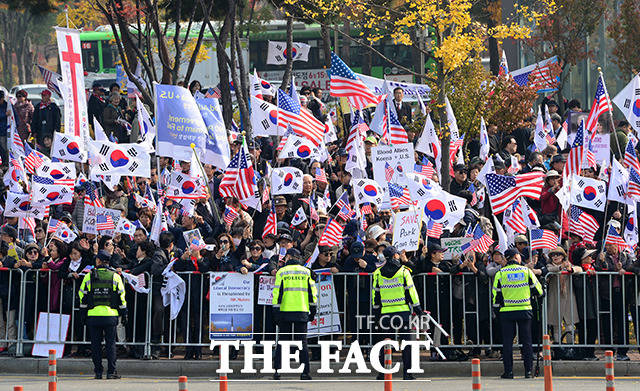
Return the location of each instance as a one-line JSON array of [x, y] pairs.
[[217, 151], [178, 122]]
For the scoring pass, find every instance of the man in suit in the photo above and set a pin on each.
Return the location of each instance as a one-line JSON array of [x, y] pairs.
[[402, 108]]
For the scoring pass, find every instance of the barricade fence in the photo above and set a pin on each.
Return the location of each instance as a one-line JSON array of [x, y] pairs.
[[40, 308]]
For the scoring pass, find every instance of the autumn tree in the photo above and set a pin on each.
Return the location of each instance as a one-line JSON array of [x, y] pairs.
[[565, 32], [624, 32]]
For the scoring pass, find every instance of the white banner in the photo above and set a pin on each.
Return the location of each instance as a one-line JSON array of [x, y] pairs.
[[327, 320], [277, 53], [452, 246], [411, 90], [231, 306], [76, 120], [89, 220], [265, 289], [406, 230]]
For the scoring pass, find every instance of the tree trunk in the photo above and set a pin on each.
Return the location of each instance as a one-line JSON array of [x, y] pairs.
[[223, 69], [29, 59], [367, 56], [326, 44], [240, 93], [286, 78], [445, 178], [346, 47], [494, 55]]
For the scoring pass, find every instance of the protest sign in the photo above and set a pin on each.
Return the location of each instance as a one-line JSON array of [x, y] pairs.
[[400, 157], [327, 320], [51, 333], [265, 289], [231, 306], [601, 147], [452, 246], [406, 230], [90, 217]]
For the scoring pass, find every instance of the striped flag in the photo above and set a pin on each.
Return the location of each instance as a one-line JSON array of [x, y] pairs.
[[388, 172], [345, 83], [321, 176], [271, 226], [302, 122], [582, 223], [332, 234], [230, 214], [574, 161], [51, 79], [480, 242], [614, 238], [399, 195], [633, 188], [601, 104], [33, 159], [104, 223], [426, 170], [358, 128], [434, 230], [543, 238], [239, 178], [365, 208], [503, 190], [91, 196], [397, 134], [53, 225], [513, 217], [630, 156]]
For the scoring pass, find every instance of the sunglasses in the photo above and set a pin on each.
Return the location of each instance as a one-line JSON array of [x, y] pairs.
[[224, 241], [256, 248], [32, 252]]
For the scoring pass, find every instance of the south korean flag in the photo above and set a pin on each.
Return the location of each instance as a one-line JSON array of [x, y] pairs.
[[184, 186], [368, 190], [588, 193], [45, 191], [300, 148], [123, 159], [286, 180], [264, 118], [68, 147], [19, 205], [277, 53]]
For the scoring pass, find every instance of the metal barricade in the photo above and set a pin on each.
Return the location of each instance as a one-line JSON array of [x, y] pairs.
[[11, 304]]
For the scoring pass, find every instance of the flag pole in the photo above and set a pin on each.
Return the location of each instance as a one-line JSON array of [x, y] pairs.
[[214, 210], [606, 93]]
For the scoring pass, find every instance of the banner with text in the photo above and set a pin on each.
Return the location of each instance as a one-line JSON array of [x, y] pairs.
[[231, 306]]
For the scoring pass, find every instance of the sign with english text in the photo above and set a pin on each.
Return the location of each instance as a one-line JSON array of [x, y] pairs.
[[406, 230]]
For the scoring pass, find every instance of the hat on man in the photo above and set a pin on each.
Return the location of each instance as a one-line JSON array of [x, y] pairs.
[[45, 92], [371, 140], [521, 239], [510, 253], [375, 231], [552, 174], [389, 252], [435, 247], [10, 231], [357, 249], [459, 167], [280, 201]]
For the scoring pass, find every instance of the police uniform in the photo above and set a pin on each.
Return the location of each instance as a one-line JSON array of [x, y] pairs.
[[102, 294], [513, 287], [394, 296], [295, 300]]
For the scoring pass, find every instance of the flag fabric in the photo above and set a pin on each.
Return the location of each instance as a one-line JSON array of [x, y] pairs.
[[633, 188], [543, 238], [503, 69], [345, 84], [65, 234], [356, 157], [20, 205], [614, 238], [302, 122], [538, 76], [145, 124], [480, 242], [582, 223], [297, 147], [216, 147], [513, 217], [184, 186], [321, 176], [574, 161], [68, 147], [286, 180], [484, 141], [367, 190], [388, 172], [264, 118], [332, 234], [123, 159], [503, 241], [600, 105], [429, 143], [630, 156], [588, 193], [618, 182], [277, 52], [230, 214], [540, 133], [399, 195], [434, 230], [424, 170], [91, 197], [299, 217], [628, 101], [60, 173], [138, 282], [144, 201], [53, 225], [47, 192], [397, 134], [76, 119], [15, 174], [125, 227], [104, 222], [173, 291], [33, 159], [503, 190], [51, 79], [271, 226], [357, 132], [239, 178], [631, 227], [159, 223]]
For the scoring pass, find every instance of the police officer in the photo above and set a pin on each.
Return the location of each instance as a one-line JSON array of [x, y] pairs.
[[102, 295], [394, 298], [295, 299], [513, 287]]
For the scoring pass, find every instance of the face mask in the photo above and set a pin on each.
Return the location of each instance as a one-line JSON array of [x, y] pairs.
[[236, 241], [381, 258]]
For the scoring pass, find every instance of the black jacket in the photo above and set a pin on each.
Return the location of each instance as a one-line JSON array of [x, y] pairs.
[[404, 113], [46, 120]]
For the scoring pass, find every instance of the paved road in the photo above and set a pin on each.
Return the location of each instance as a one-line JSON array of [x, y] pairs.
[[80, 383]]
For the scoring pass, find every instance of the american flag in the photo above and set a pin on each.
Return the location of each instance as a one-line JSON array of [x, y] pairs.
[[613, 237], [91, 196], [540, 72], [388, 172], [426, 170], [346, 214], [574, 161], [213, 92], [343, 206], [582, 223], [51, 78], [480, 242], [302, 122], [434, 229], [397, 134], [104, 222], [365, 208], [633, 188], [472, 189], [33, 159], [601, 104], [54, 225], [543, 238], [230, 214], [589, 158], [28, 223], [345, 83], [238, 180], [332, 234], [399, 195], [358, 129], [513, 217], [321, 176], [454, 146], [271, 226], [630, 156], [503, 190]]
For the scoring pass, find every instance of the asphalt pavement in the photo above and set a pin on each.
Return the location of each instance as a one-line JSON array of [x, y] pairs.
[[78, 383]]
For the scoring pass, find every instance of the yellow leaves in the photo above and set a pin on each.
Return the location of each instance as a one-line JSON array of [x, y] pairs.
[[190, 47], [81, 15], [456, 50]]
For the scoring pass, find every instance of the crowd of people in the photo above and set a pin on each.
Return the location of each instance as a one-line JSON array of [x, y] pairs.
[[581, 302]]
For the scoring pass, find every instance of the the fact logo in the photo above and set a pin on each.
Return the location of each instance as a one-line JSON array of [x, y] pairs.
[[329, 352]]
